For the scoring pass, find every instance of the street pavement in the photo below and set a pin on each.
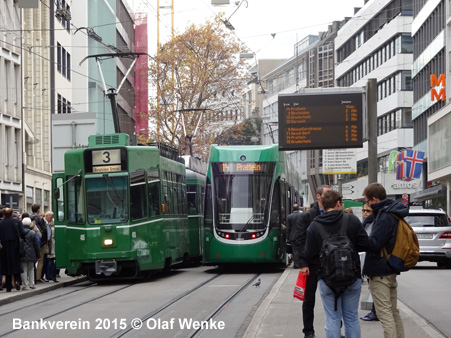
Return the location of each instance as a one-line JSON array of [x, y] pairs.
[[278, 315], [15, 295]]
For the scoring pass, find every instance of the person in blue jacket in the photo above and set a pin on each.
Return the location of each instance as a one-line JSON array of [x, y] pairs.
[[382, 278]]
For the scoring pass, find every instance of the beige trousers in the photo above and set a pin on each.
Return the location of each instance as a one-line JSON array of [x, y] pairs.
[[385, 297]]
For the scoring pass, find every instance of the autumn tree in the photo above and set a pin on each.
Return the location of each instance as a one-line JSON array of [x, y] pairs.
[[198, 76], [244, 133]]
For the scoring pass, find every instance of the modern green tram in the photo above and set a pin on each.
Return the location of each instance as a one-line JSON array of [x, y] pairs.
[[120, 211], [249, 193], [195, 187]]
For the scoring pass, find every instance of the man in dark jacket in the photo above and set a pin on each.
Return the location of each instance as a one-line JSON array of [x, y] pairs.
[[382, 283], [347, 304], [298, 244], [10, 230], [40, 223], [292, 219]]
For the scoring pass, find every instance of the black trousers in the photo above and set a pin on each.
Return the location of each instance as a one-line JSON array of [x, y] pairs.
[[308, 305]]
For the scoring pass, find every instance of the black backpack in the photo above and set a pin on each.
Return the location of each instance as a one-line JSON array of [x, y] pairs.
[[338, 259], [40, 222]]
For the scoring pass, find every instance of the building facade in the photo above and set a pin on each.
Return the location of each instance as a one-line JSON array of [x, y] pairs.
[[432, 117], [11, 168], [431, 57], [377, 44], [102, 27]]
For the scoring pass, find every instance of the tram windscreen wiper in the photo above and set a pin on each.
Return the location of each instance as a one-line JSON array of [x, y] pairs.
[[247, 223], [110, 183]]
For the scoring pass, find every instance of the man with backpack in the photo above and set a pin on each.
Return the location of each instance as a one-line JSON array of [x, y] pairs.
[[41, 224], [382, 277], [333, 241], [298, 240]]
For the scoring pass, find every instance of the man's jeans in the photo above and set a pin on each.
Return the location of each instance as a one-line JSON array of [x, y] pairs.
[[347, 308]]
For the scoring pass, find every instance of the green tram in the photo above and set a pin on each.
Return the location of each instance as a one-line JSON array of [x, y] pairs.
[[249, 193], [195, 187], [120, 211]]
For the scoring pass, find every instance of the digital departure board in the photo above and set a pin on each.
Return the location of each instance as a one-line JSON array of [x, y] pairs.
[[320, 121]]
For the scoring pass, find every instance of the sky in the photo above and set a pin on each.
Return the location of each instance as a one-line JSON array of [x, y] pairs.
[[269, 28]]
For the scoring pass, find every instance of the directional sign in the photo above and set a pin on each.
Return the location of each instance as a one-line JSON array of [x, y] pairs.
[[339, 161]]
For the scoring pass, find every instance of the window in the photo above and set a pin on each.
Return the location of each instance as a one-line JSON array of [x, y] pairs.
[[137, 195], [64, 105], [58, 56], [63, 61]]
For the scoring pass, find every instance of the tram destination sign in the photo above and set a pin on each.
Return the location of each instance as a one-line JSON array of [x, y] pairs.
[[320, 121]]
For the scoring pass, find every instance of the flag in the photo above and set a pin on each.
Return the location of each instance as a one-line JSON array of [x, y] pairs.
[[400, 167], [413, 163]]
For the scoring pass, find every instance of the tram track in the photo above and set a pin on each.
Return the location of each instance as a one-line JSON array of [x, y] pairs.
[[222, 306], [192, 303], [49, 316], [17, 310], [165, 306], [176, 302]]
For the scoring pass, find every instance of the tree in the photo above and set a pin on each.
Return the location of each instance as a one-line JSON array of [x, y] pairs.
[[196, 75], [246, 132]]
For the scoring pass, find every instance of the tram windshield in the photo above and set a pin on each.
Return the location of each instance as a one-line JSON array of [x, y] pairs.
[[107, 200], [242, 194]]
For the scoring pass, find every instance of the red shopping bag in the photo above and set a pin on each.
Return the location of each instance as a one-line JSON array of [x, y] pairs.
[[299, 288]]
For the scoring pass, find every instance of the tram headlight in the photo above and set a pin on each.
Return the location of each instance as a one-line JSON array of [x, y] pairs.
[[108, 242]]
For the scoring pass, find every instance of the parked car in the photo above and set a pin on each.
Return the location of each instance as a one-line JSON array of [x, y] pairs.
[[433, 229]]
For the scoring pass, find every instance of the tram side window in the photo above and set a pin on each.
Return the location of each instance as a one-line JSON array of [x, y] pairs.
[[137, 195], [60, 200], [154, 192], [208, 222], [75, 200], [192, 201], [167, 192], [201, 200], [154, 198], [185, 203], [275, 206]]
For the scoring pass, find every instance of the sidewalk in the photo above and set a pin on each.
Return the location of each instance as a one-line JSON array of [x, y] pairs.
[[14, 295], [280, 315]]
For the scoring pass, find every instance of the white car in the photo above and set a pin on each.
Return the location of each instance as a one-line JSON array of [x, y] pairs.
[[433, 229]]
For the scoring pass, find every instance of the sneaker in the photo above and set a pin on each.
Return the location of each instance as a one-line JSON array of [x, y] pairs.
[[43, 280], [32, 287], [24, 287], [370, 317], [310, 335]]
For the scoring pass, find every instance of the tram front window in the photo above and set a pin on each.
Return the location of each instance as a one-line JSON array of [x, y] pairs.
[[242, 194], [106, 198]]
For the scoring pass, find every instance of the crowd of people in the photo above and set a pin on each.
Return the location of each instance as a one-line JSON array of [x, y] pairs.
[[27, 249], [306, 240]]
